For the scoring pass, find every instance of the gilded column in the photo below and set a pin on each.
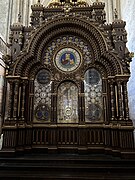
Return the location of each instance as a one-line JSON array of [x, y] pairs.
[[15, 106], [31, 99], [120, 100], [55, 107], [10, 105], [82, 102], [112, 100], [81, 107], [23, 99], [126, 100], [53, 104]]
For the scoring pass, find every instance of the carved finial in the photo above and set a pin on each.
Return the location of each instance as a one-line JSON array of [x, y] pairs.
[[131, 55], [67, 6], [19, 17], [115, 14], [97, 1]]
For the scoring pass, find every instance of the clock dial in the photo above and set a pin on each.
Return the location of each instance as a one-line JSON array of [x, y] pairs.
[[42, 112], [43, 77], [67, 59], [93, 112]]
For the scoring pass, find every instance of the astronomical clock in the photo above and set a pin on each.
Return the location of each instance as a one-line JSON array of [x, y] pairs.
[[67, 82], [67, 59]]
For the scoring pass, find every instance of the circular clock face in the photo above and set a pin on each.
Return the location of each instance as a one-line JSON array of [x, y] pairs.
[[94, 112], [43, 77], [42, 112], [67, 59]]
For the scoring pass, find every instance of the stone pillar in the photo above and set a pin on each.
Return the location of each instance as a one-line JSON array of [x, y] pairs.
[[15, 11], [116, 5], [4, 18]]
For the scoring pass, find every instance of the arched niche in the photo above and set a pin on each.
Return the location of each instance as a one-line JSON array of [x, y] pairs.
[[67, 103], [93, 96], [42, 96]]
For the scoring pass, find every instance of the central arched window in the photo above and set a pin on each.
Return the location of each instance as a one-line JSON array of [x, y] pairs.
[[67, 103], [93, 95]]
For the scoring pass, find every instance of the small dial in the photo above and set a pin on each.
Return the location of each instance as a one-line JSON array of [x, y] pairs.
[[42, 112], [94, 112], [93, 94], [67, 59], [94, 77], [43, 77]]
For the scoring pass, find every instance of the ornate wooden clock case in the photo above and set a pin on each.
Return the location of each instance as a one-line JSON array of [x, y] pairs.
[[67, 82]]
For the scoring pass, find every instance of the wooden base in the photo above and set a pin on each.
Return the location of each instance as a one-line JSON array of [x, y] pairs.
[[66, 166]]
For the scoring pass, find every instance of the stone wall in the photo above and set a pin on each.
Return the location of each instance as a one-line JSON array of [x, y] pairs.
[[3, 50], [4, 5], [9, 10]]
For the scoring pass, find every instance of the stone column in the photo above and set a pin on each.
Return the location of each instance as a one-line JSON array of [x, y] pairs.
[[15, 11]]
